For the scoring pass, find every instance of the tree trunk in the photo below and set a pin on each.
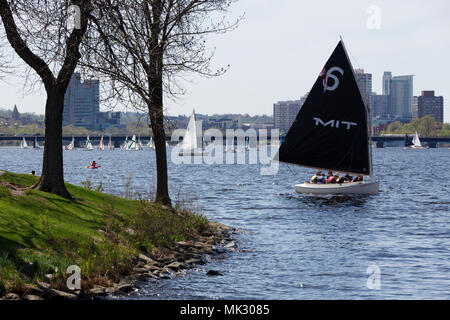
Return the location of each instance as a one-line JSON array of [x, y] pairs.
[[162, 188], [52, 178]]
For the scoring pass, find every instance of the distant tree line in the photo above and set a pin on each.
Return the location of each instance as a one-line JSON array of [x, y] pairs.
[[425, 126]]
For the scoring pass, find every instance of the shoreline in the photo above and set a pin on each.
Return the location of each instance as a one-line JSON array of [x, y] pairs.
[[117, 242], [184, 255]]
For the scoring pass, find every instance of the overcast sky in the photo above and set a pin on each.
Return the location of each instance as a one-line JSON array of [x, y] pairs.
[[281, 46]]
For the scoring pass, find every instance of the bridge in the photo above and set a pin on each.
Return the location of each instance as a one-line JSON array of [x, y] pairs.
[[381, 141]]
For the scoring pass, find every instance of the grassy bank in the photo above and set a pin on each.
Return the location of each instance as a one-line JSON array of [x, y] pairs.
[[42, 234]]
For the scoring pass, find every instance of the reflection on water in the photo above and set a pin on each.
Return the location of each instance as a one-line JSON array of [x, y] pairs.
[[295, 246]]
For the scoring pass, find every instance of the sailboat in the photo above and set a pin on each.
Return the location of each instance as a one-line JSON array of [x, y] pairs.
[[133, 144], [101, 146], [23, 144], [36, 144], [139, 144], [332, 130], [88, 145], [151, 144], [110, 145], [124, 146], [415, 143], [71, 145], [192, 144]]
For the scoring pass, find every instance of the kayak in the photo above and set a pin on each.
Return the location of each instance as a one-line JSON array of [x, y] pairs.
[[91, 167]]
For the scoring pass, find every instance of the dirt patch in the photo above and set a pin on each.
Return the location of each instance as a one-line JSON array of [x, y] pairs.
[[16, 190]]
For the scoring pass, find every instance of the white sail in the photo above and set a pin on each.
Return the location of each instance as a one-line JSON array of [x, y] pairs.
[[125, 144], [416, 140], [133, 145], [36, 144], [24, 144], [192, 140], [88, 145]]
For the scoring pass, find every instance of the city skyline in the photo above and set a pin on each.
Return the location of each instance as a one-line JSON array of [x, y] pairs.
[[280, 61]]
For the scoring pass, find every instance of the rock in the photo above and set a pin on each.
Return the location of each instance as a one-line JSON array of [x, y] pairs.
[[175, 266], [125, 287], [152, 268], [11, 296], [230, 245], [61, 295], [213, 273], [195, 261], [43, 285], [148, 261], [97, 291], [140, 270], [32, 297], [30, 290]]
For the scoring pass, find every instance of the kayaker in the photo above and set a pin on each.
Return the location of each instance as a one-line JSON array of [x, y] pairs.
[[93, 165]]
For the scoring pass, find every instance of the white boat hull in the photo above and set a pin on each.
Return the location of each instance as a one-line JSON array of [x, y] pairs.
[[336, 188]]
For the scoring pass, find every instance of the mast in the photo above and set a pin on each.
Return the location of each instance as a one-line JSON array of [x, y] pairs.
[[368, 117]]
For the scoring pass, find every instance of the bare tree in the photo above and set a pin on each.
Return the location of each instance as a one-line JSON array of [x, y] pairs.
[[39, 32], [142, 47]]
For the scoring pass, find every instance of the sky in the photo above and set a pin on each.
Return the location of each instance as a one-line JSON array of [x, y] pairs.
[[281, 46]]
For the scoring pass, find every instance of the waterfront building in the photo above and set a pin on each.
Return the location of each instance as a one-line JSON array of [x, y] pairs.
[[285, 112], [364, 81], [81, 103], [400, 97], [379, 106], [427, 104]]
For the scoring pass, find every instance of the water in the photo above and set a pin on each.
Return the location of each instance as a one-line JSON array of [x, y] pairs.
[[294, 246]]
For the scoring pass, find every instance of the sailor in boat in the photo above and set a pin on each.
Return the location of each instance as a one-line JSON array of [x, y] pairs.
[[319, 177], [93, 165]]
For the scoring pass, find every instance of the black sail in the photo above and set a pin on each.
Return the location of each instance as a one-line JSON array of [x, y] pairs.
[[331, 129]]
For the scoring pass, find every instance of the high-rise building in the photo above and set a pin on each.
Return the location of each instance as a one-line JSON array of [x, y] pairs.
[[285, 112], [379, 105], [364, 81], [400, 97], [81, 103], [428, 104], [387, 77]]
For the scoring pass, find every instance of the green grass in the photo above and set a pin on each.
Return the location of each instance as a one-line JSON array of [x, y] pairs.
[[41, 233]]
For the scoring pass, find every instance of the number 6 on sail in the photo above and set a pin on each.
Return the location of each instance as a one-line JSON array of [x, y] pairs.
[[332, 130]]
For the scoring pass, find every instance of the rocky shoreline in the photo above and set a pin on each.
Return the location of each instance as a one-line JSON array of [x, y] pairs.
[[169, 262]]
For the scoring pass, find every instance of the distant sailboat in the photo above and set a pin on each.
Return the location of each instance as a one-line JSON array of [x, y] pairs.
[[415, 143], [110, 145], [151, 144], [23, 144], [36, 144], [332, 130], [101, 146], [133, 145], [88, 145], [192, 144], [71, 145], [139, 143], [124, 146]]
